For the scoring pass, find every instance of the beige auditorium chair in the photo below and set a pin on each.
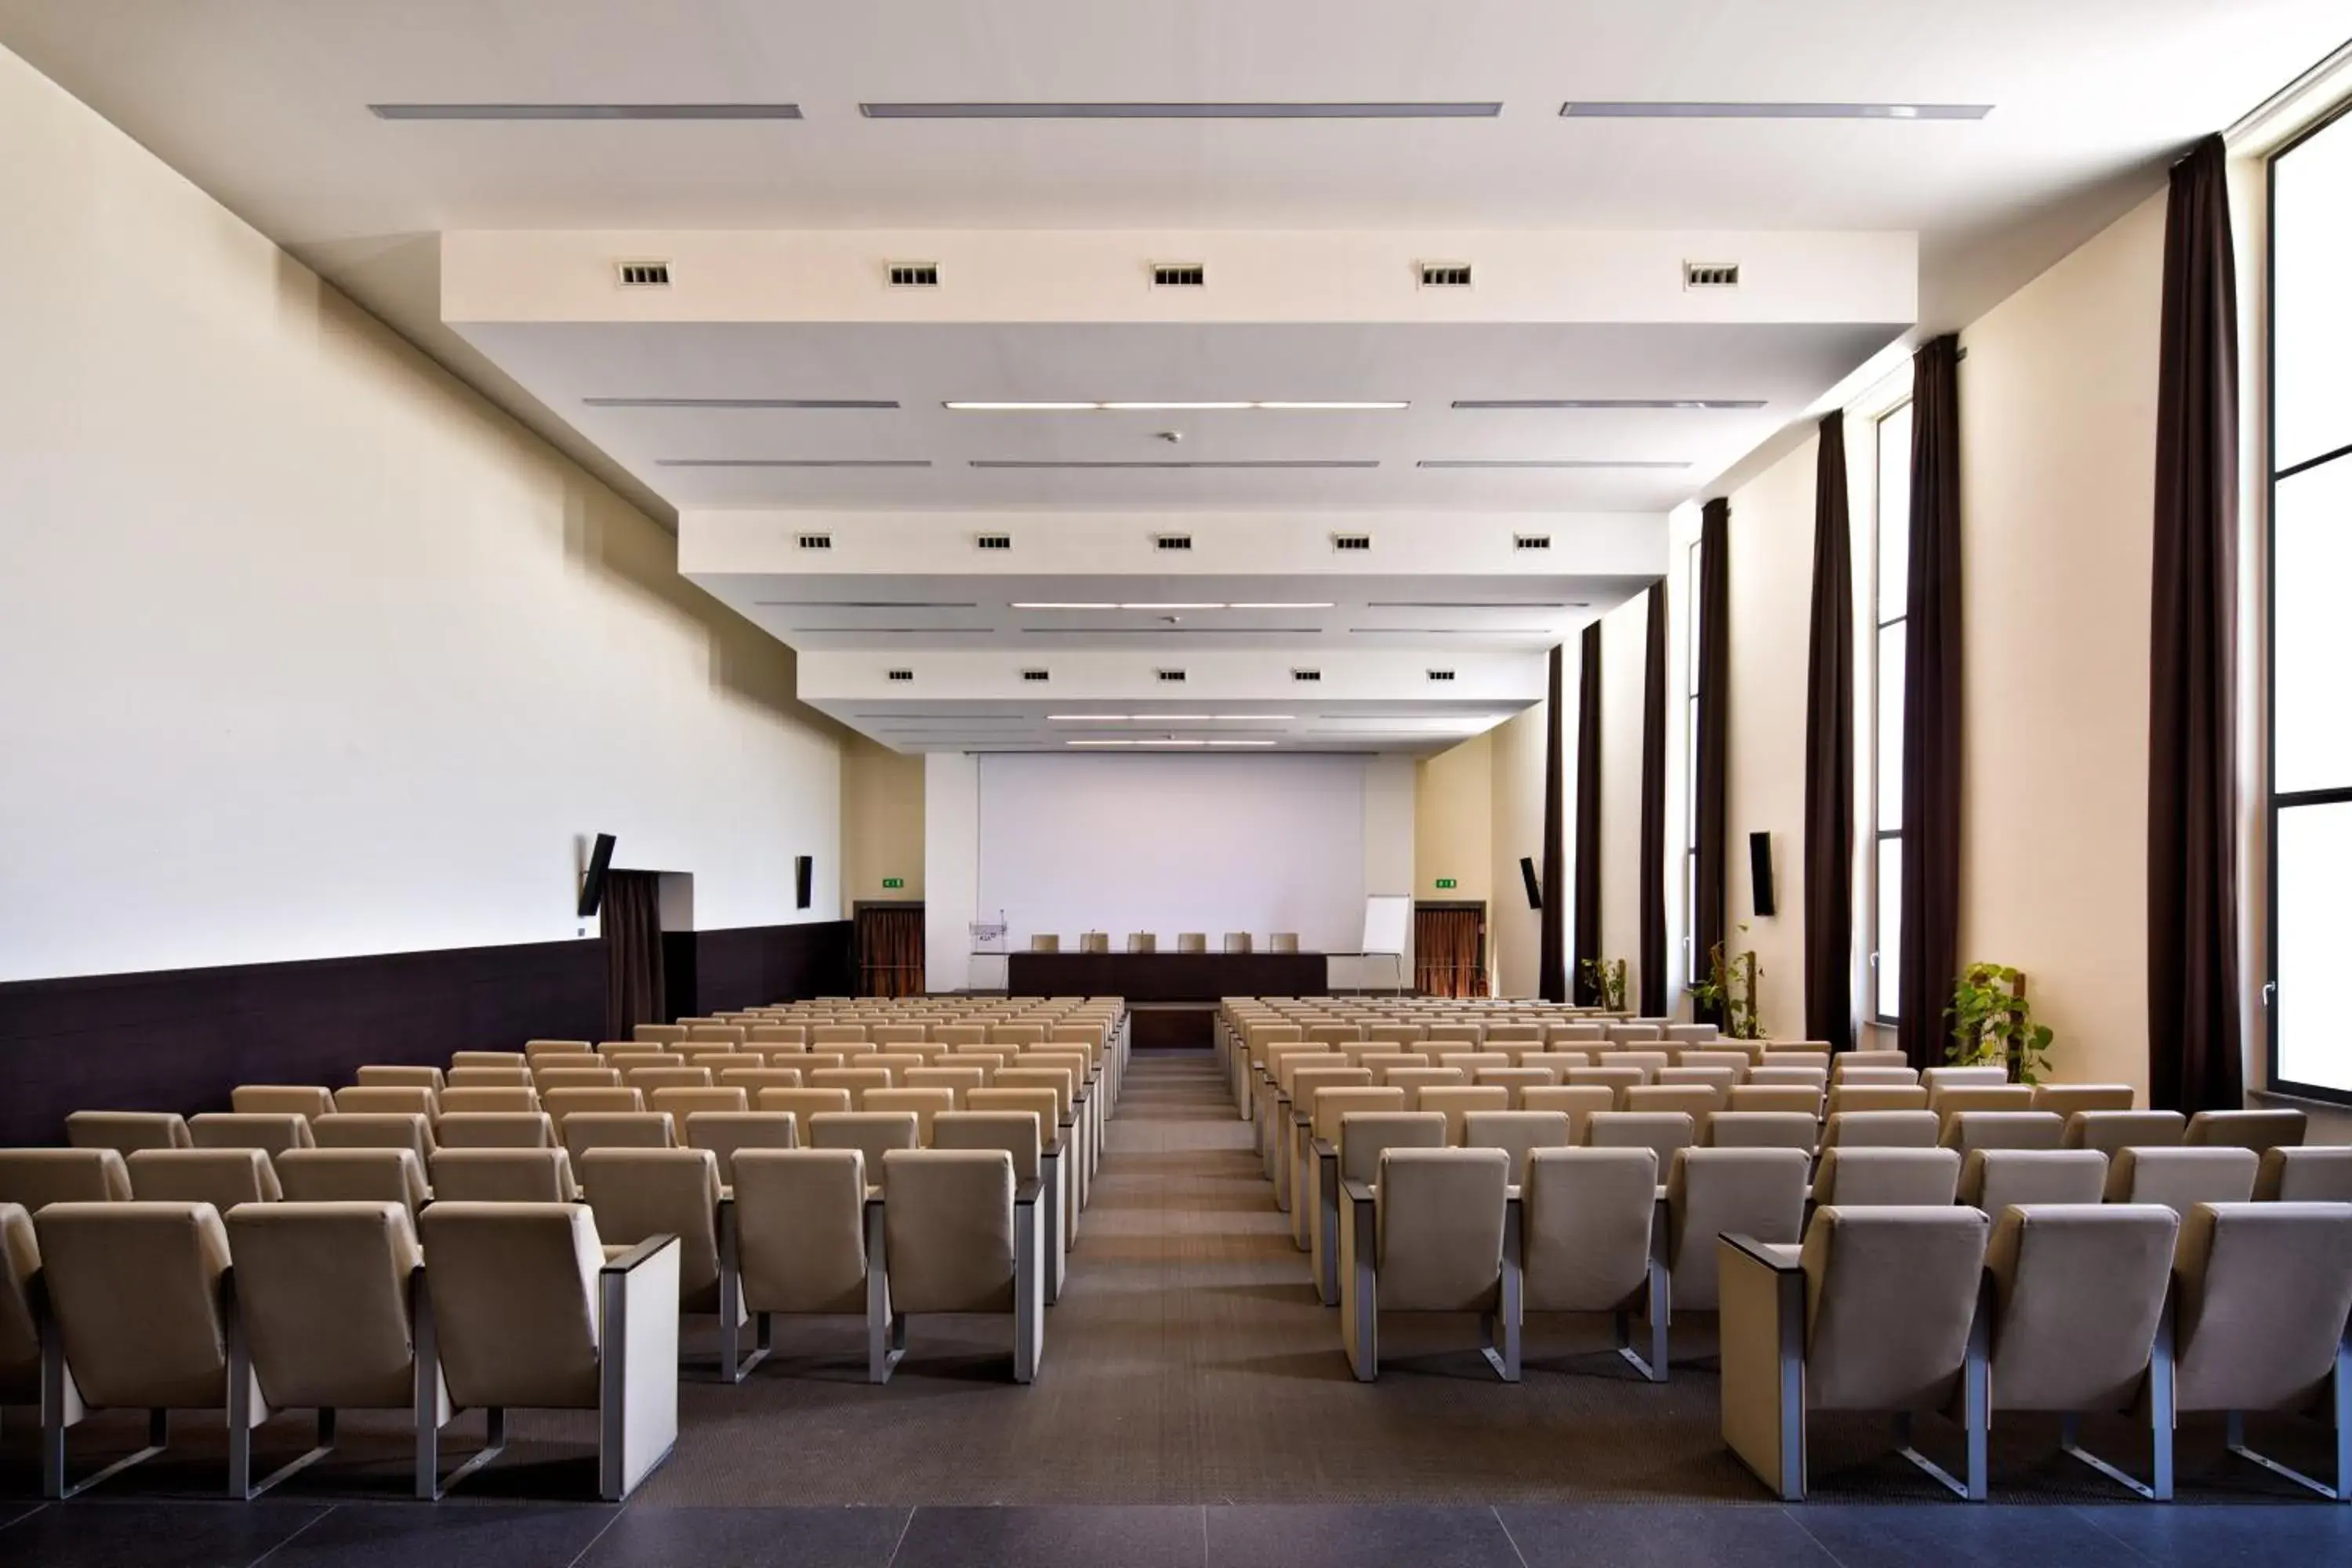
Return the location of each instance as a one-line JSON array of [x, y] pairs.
[[1756, 1193], [1237, 941], [1998, 1179], [1871, 1313], [497, 1175], [1517, 1133], [552, 1082], [1844, 1062], [2263, 1322], [1759, 1129], [1968, 1131], [529, 1313], [270, 1134], [2315, 1173], [137, 1298], [353, 1176], [332, 1316], [658, 1033], [126, 1131], [1794, 1098], [1859, 1176], [1978, 1075], [281, 1100], [1579, 1102], [793, 1241], [1093, 941], [1019, 1133], [21, 1309], [640, 1194], [1318, 1175], [34, 1178], [1282, 941], [1844, 1077], [924, 1104], [871, 1134], [1046, 941], [2066, 1099], [801, 1104], [1663, 1132], [724, 1132], [376, 1130], [1143, 941], [2182, 1178], [400, 1077], [1880, 1129], [2108, 1130], [2254, 1129], [1433, 1235], [472, 1099], [502, 1061], [586, 1129], [1589, 1242], [955, 1235], [1847, 1099], [496, 1130], [386, 1099], [221, 1177]]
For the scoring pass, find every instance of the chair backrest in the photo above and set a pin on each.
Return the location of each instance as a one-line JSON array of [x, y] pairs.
[[1890, 1294], [1366, 1135], [681, 1103], [1996, 1179], [1695, 1101], [1515, 1034], [125, 1131], [386, 1099], [496, 1130], [1580, 1102], [1014, 1131], [20, 1334], [640, 1192], [1968, 1131], [800, 1227], [1413, 1079], [1649, 1063], [2182, 1178], [468, 1098], [2108, 1130], [323, 1291], [2076, 1292], [1455, 1102], [392, 1076], [1663, 1133], [872, 1133], [503, 1176], [1046, 941], [1774, 1076], [1042, 1104], [533, 1050], [2317, 1173], [269, 1133], [1282, 941], [1586, 1217], [658, 1032], [1628, 1033], [1143, 941], [503, 1061], [376, 1130], [925, 1103], [2066, 1099], [549, 1079], [1093, 941], [1843, 1077], [723, 1132], [1517, 1079], [1191, 941], [1055, 1079], [1948, 1098], [1855, 1177], [1794, 1098], [2254, 1129], [1332, 1104], [135, 1291], [2263, 1292], [957, 1080], [353, 1176], [836, 1035], [947, 1238], [589, 1130], [516, 1315], [1760, 1130], [1237, 941], [281, 1098], [1953, 1076], [1441, 1219], [1757, 1192], [651, 1081], [1517, 1133], [1880, 1129], [801, 1104], [1844, 1099], [221, 1177]]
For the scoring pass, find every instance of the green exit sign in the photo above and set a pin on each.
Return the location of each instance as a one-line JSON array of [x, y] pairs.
[[894, 881], [1445, 883]]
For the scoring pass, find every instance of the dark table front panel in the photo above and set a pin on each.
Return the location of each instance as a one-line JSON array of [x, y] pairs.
[[1167, 977]]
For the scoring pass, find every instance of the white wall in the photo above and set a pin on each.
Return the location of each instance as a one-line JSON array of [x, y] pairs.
[[951, 873], [305, 650]]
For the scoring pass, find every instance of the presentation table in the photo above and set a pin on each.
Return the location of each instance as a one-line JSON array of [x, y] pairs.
[[1196, 977]]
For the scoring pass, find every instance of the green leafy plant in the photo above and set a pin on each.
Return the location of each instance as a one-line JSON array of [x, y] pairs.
[[1729, 992], [1993, 1024], [1606, 979]]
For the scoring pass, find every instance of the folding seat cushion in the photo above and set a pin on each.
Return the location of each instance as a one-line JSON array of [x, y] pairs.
[[1759, 1129], [1455, 1102], [1792, 1098], [221, 1177], [1695, 1101], [926, 1104], [2108, 1130], [2182, 1178], [636, 1194], [281, 1099], [2317, 1173], [1880, 1129], [466, 1100], [2066, 1099], [400, 1077], [1997, 1179], [1854, 1177], [359, 1176], [126, 1131], [20, 1337], [1754, 1192], [529, 1313], [1663, 1133], [1874, 1097], [1579, 1102], [549, 1079], [1517, 1133], [496, 1130], [516, 1077], [386, 1099], [801, 1104], [871, 1134], [2254, 1129], [238, 1130], [1968, 1131], [496, 1175]]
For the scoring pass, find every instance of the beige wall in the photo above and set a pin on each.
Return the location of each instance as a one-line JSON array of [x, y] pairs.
[[1514, 933], [881, 823], [1453, 820]]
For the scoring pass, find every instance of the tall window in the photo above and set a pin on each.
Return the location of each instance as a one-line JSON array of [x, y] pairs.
[[1892, 493], [2310, 562], [1698, 960]]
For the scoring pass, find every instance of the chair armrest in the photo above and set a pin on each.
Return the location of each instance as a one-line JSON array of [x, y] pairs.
[[637, 1379], [1028, 1191], [1356, 1191], [1778, 1257], [1324, 1149], [1055, 1147], [638, 1254]]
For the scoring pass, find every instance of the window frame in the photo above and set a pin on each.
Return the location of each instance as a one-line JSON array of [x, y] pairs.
[[1694, 961], [1881, 1014]]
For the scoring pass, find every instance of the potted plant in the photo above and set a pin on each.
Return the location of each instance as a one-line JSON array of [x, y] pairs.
[[1728, 993], [1993, 1024], [1605, 978]]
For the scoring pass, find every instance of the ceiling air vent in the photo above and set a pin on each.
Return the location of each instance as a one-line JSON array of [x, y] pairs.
[[1710, 275], [1306, 675], [816, 542], [902, 674], [1441, 675], [1445, 275], [1179, 275], [914, 275], [644, 274], [1351, 542], [1036, 675], [1171, 542], [1171, 675], [1531, 542], [993, 542]]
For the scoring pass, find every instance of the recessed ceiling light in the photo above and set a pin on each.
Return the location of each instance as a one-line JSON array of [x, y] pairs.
[[1542, 463], [1406, 111], [1163, 463], [585, 110], [792, 462], [1694, 403], [1175, 407], [1576, 110], [836, 403]]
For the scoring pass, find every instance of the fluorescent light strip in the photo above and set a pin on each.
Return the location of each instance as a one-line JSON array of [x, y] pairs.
[[1543, 463], [1168, 718], [1289, 406], [820, 402], [1263, 463], [1581, 109], [1452, 631], [1167, 631], [1473, 605], [1140, 742], [861, 604], [585, 110], [1683, 403], [1403, 110], [1035, 605], [792, 462]]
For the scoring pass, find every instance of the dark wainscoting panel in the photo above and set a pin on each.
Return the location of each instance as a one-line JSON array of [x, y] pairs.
[[181, 1039]]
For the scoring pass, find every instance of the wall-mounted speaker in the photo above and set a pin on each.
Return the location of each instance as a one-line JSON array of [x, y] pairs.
[[1535, 885], [591, 886], [803, 881], [1759, 872]]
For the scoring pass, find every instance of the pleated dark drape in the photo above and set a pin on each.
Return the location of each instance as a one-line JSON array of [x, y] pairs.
[[630, 919], [1654, 979], [1588, 812], [2194, 1061], [1551, 962], [1449, 952], [1713, 762], [1931, 707], [1829, 754], [890, 950]]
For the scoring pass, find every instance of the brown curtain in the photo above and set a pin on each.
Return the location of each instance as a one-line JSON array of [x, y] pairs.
[[1588, 812], [2194, 1061], [1829, 754], [890, 950], [1551, 962], [1449, 951], [1713, 762], [1654, 980], [630, 919], [1931, 706]]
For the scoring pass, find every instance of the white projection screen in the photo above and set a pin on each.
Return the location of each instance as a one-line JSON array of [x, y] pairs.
[[1165, 844]]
